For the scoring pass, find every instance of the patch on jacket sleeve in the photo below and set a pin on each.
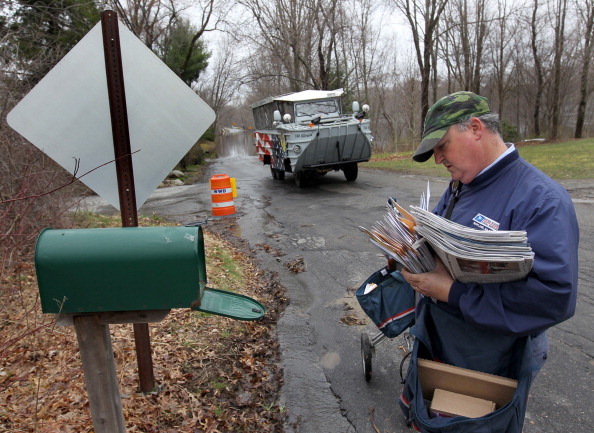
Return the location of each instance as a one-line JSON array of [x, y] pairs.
[[485, 223]]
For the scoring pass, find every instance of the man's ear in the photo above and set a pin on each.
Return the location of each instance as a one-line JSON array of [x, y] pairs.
[[477, 127]]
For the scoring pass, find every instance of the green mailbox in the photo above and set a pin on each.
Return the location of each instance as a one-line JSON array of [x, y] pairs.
[[130, 269]]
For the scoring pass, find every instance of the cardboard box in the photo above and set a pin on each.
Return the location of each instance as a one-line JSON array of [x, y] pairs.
[[435, 375], [446, 403]]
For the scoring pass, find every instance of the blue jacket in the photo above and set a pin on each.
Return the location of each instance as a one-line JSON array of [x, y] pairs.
[[514, 195]]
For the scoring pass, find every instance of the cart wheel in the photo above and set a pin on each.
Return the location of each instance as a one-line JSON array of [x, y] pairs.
[[366, 355]]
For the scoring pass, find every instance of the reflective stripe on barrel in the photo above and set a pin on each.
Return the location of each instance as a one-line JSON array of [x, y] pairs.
[[222, 195]]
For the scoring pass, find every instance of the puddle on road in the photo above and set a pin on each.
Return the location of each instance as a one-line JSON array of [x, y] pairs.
[[236, 142]]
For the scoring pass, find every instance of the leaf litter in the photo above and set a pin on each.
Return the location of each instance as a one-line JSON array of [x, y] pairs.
[[212, 374]]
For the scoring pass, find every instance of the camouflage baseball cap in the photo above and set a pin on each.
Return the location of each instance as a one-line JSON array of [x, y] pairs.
[[449, 110]]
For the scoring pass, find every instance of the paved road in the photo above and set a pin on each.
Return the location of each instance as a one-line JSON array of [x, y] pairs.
[[324, 387]]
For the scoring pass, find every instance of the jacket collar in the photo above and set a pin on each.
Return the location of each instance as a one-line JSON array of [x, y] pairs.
[[494, 172]]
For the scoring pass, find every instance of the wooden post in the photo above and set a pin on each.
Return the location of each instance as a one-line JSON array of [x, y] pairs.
[[96, 353]]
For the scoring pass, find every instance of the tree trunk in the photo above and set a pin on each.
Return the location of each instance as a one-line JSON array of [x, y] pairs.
[[538, 68], [588, 35], [559, 44], [430, 15]]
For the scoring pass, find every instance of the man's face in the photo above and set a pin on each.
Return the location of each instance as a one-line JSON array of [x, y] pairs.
[[461, 153]]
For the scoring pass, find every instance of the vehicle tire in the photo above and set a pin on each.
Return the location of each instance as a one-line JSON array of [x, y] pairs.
[[351, 171], [274, 172], [366, 355], [301, 179], [280, 174]]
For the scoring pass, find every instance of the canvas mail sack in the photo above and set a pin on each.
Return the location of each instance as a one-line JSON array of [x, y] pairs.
[[478, 350], [391, 304]]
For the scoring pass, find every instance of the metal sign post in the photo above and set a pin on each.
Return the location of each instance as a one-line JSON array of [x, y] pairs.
[[124, 171]]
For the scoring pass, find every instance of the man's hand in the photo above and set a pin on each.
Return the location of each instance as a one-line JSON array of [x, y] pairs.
[[435, 284]]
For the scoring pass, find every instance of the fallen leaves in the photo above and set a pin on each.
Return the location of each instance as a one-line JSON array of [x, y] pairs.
[[296, 266], [213, 374], [270, 250], [352, 319]]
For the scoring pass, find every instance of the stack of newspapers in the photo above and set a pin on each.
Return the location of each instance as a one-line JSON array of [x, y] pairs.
[[470, 255], [397, 238]]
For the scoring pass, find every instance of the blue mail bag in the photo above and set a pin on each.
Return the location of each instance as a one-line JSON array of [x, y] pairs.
[[391, 305], [464, 345]]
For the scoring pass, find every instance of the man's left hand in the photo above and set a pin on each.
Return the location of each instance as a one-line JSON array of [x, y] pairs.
[[435, 284]]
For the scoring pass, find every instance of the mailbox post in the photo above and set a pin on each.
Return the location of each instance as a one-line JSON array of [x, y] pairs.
[[91, 278], [96, 354]]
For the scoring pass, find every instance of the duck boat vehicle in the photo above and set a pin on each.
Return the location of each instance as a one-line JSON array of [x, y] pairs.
[[307, 134]]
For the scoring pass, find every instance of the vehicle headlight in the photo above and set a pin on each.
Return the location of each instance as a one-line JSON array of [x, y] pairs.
[[297, 149]]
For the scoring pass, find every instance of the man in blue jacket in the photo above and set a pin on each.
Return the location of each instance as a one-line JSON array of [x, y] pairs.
[[493, 188]]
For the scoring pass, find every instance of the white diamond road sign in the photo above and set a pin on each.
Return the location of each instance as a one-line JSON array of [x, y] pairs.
[[66, 115]]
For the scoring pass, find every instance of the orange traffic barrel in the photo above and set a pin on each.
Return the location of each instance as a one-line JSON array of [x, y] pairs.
[[222, 195]]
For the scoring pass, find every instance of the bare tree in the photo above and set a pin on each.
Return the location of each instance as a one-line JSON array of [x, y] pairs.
[[281, 36], [220, 85], [363, 49], [149, 20], [297, 39], [466, 25], [503, 35], [481, 28], [159, 24], [585, 10], [423, 20], [396, 102], [560, 13], [534, 25], [328, 27]]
